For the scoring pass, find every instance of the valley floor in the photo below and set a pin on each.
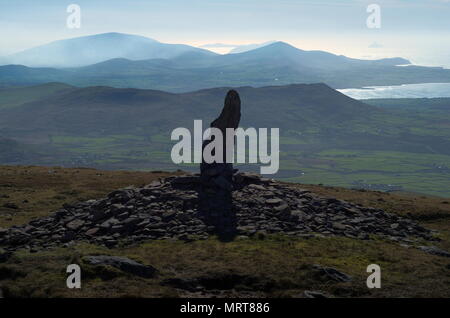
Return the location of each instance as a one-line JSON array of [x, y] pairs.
[[259, 266]]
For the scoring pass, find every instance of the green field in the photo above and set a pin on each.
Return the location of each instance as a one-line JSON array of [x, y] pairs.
[[325, 137], [427, 173]]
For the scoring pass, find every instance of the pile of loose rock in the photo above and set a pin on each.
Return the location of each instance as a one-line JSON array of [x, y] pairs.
[[169, 209]]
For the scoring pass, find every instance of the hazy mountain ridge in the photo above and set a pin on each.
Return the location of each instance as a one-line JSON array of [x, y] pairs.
[[176, 68], [82, 51]]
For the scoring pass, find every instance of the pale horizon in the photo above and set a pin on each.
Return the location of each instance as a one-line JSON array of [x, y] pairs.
[[349, 49], [411, 29]]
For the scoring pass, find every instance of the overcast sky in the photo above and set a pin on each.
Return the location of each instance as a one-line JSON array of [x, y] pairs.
[[415, 29]]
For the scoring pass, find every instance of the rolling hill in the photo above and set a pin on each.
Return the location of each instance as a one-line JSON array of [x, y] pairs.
[[325, 136], [106, 110]]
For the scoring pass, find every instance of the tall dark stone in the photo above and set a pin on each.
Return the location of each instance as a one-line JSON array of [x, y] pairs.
[[215, 194]]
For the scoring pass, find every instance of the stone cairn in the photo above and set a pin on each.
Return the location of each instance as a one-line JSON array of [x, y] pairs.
[[169, 209], [216, 178]]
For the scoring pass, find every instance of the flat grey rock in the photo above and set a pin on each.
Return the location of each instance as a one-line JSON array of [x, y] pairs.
[[124, 264], [332, 273], [434, 251], [314, 294]]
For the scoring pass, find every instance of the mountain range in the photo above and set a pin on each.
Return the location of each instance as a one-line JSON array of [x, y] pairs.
[[120, 60]]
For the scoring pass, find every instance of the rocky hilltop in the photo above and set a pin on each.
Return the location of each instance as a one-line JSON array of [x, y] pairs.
[[167, 209]]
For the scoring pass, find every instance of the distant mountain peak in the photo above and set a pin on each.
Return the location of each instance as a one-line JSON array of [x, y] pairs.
[[249, 47], [92, 49], [275, 47], [282, 44]]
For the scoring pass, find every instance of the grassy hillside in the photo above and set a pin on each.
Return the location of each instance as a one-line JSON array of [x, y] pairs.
[[18, 96], [273, 265], [326, 137]]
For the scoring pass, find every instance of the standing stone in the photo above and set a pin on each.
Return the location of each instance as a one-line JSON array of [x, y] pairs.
[[215, 194]]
